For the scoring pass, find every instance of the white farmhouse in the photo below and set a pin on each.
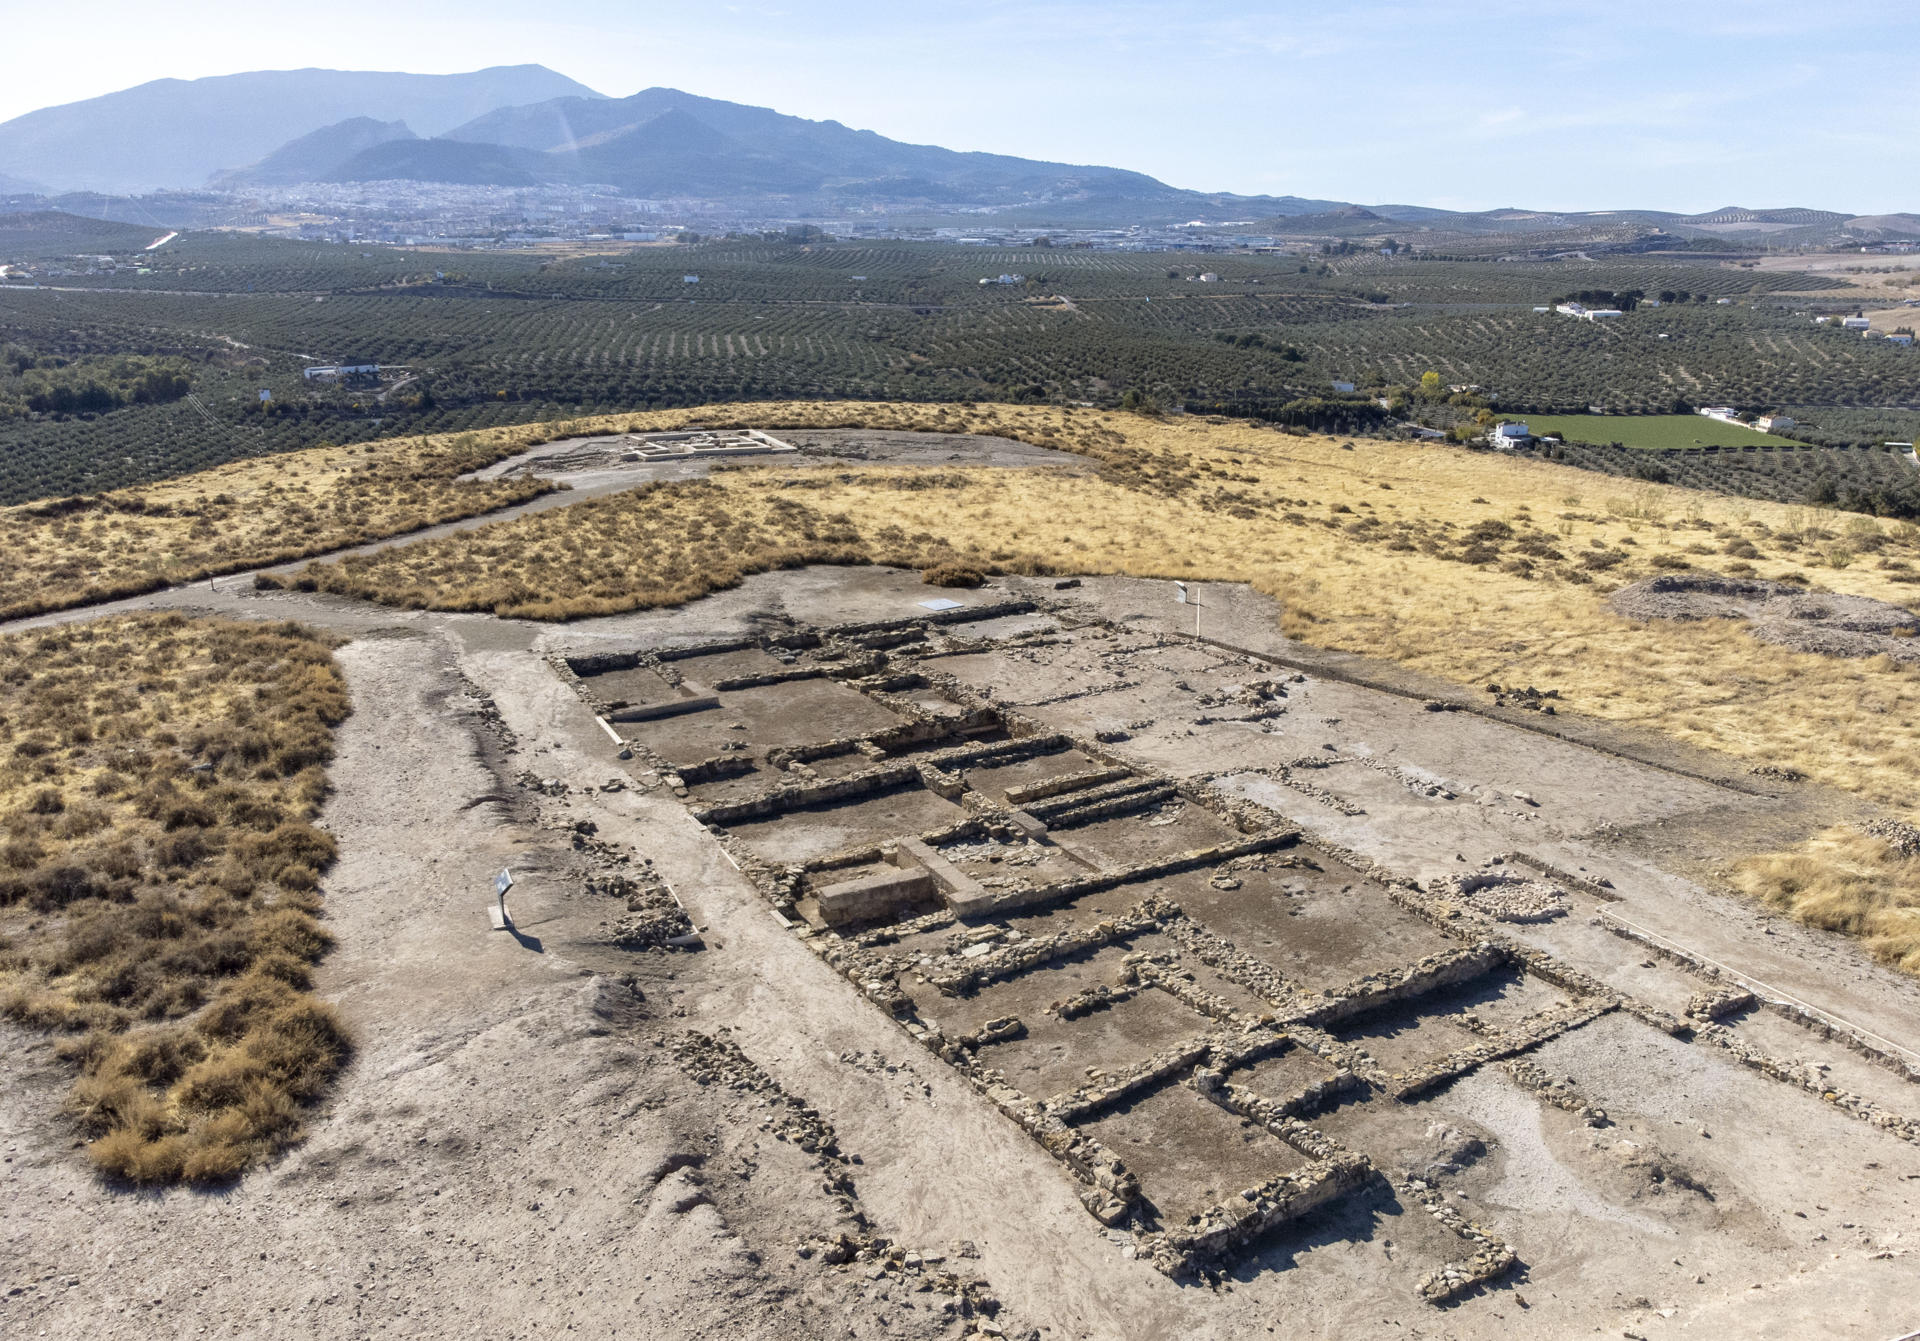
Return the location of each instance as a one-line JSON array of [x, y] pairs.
[[357, 368], [1509, 435], [1585, 313], [1774, 423]]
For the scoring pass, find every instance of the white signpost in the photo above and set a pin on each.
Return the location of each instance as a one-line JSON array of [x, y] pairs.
[[1184, 597], [497, 910]]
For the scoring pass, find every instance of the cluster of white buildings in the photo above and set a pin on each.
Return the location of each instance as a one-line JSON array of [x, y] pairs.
[[1005, 279], [1585, 313], [1865, 326]]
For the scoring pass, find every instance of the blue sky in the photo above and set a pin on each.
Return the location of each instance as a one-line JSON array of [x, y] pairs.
[[1676, 105]]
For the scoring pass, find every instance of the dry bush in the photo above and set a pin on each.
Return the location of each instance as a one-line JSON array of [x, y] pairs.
[[158, 778], [1865, 885], [953, 575]]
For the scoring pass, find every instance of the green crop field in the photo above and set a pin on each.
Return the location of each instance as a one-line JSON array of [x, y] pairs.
[[1652, 432]]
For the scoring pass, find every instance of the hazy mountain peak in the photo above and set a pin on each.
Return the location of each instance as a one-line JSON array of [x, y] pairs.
[[314, 156], [178, 132]]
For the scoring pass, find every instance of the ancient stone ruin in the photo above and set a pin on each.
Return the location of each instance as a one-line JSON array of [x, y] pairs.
[[1201, 1011]]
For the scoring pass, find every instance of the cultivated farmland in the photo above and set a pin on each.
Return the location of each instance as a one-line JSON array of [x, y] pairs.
[[471, 339], [1656, 432]]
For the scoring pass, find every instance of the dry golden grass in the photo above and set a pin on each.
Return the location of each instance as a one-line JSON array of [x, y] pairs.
[[1472, 567], [159, 880], [80, 551], [1845, 880]]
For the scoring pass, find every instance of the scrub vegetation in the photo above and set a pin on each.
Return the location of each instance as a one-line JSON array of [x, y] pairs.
[[82, 550], [160, 905]]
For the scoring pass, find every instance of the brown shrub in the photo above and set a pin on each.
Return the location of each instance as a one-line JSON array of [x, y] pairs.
[[181, 894], [952, 575]]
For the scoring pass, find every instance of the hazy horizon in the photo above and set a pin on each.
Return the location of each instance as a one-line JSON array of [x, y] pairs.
[[1563, 107]]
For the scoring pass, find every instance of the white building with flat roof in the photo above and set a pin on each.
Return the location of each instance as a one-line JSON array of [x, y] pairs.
[[361, 369]]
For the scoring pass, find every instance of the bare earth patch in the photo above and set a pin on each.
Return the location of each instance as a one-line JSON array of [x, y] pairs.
[[1823, 622]]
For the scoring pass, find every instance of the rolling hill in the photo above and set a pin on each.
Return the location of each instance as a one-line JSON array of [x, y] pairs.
[[453, 161], [315, 156]]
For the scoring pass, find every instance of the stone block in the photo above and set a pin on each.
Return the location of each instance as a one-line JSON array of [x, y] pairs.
[[1029, 825], [882, 894], [961, 891]]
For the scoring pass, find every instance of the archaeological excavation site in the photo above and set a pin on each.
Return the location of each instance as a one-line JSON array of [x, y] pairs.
[[880, 959], [1204, 929]]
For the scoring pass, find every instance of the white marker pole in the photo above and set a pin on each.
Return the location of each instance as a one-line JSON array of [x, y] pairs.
[[1183, 597], [497, 911]]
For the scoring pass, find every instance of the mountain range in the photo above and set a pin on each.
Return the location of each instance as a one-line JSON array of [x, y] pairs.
[[176, 133], [525, 126], [661, 143]]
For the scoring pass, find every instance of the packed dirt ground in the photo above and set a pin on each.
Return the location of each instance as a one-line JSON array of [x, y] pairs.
[[1687, 1117]]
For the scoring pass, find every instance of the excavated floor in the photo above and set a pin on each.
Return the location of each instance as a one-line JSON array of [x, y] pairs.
[[1120, 915]]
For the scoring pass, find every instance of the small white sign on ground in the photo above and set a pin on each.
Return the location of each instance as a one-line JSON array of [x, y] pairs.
[[941, 603], [497, 910]]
